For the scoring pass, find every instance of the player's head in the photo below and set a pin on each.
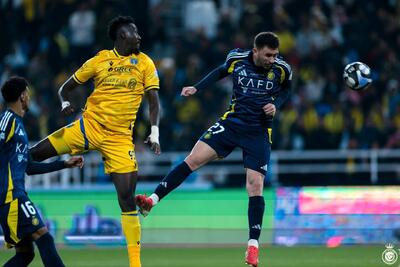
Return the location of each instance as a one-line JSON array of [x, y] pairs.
[[14, 90], [266, 49], [122, 29]]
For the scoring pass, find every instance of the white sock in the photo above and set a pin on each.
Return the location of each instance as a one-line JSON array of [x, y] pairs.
[[253, 242], [155, 199]]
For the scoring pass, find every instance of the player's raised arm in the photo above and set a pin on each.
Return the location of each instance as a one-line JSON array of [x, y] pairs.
[[154, 112], [215, 75], [63, 94]]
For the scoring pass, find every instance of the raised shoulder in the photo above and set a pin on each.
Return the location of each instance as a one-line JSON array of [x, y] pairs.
[[7, 122], [237, 54], [282, 63]]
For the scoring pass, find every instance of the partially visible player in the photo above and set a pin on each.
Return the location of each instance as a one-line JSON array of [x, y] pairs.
[[19, 218], [121, 77], [261, 84]]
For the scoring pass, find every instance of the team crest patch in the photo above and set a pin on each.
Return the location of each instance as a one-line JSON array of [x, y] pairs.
[[270, 76], [134, 61], [35, 221]]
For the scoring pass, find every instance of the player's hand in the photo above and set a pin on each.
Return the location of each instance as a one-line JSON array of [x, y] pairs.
[[66, 108], [74, 162], [188, 91], [153, 140], [269, 110], [154, 146]]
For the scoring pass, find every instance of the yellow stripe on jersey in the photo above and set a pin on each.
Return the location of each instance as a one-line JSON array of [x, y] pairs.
[[9, 196], [283, 73], [231, 110], [12, 220], [11, 133], [119, 85], [270, 135], [232, 66]]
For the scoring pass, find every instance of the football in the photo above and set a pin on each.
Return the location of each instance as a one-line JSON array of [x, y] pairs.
[[357, 76]]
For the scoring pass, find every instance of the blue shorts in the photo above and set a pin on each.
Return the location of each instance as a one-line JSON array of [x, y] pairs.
[[255, 143], [19, 219]]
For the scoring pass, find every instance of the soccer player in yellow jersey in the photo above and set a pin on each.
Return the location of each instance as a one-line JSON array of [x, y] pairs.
[[121, 77]]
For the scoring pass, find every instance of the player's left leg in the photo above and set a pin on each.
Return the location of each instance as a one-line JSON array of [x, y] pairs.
[[125, 185], [47, 249], [256, 145], [254, 186], [24, 254]]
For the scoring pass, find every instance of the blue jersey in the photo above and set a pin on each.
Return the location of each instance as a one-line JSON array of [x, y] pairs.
[[254, 87], [13, 156]]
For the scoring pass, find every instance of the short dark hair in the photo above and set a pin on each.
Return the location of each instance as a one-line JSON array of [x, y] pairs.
[[269, 39], [116, 23], [13, 88]]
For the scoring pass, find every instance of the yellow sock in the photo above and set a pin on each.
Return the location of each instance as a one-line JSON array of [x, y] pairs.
[[131, 228]]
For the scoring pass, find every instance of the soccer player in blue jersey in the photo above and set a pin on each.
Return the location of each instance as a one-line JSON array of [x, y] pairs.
[[19, 218], [261, 84]]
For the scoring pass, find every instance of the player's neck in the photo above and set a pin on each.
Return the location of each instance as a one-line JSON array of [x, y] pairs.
[[16, 107], [122, 50]]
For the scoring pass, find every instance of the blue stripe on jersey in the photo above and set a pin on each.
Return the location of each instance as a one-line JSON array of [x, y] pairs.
[[84, 134]]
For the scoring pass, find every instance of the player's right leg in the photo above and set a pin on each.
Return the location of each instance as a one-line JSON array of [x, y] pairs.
[[24, 254], [71, 139], [216, 142], [200, 155]]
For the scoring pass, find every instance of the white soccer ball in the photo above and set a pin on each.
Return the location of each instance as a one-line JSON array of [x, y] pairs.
[[357, 76]]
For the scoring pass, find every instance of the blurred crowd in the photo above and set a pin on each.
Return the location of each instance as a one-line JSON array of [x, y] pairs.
[[46, 41]]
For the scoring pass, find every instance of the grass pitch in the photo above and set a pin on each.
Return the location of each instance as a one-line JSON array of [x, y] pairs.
[[352, 256]]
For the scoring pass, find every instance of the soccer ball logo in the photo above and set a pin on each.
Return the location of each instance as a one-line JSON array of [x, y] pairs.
[[389, 255], [357, 76]]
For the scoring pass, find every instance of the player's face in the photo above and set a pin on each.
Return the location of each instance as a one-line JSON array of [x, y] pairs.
[[25, 99], [265, 57], [132, 38]]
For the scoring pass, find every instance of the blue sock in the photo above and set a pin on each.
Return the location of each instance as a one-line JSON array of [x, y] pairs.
[[48, 251], [255, 216], [20, 259], [173, 179]]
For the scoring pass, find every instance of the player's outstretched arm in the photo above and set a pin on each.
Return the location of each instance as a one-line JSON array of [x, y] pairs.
[[63, 94], [154, 111], [35, 167]]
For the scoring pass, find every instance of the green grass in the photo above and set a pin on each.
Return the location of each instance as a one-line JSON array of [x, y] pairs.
[[353, 256]]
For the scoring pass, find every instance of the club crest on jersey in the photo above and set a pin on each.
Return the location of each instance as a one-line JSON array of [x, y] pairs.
[[134, 61], [35, 221], [270, 76]]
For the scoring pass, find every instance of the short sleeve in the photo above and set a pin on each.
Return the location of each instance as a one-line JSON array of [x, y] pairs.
[[151, 80], [86, 71], [7, 128]]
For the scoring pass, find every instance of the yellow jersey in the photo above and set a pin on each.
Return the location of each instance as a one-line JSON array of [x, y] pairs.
[[119, 86]]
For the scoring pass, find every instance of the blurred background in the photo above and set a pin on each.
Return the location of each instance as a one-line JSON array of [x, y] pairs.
[[334, 174]]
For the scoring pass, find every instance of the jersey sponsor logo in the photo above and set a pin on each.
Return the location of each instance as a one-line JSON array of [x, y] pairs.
[[132, 83], [122, 69], [255, 83], [21, 148]]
